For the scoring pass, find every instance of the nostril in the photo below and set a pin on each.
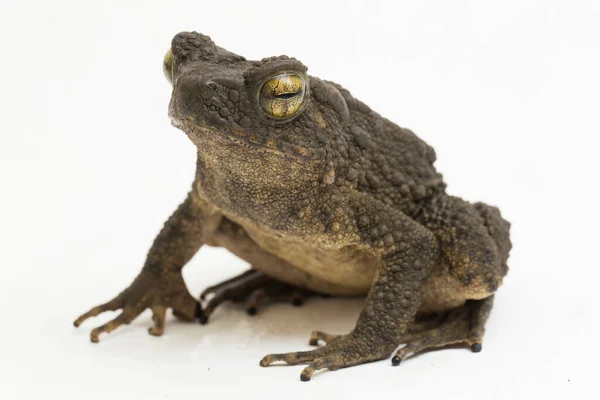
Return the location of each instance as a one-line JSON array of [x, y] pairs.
[[208, 88], [213, 85]]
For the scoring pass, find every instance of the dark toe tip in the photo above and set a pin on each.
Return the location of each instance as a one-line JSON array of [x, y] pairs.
[[313, 342], [297, 302], [304, 378], [396, 361], [476, 347], [251, 310], [203, 319], [198, 310]]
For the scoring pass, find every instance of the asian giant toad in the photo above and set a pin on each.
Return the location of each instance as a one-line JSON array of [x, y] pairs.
[[320, 194]]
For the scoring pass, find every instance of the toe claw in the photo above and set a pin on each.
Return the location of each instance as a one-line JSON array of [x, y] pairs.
[[476, 347], [251, 311], [396, 361], [202, 318], [306, 374]]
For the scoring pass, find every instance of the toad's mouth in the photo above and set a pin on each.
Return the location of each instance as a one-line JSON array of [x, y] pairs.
[[200, 133]]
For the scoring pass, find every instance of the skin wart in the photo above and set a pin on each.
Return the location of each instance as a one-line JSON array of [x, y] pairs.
[[321, 195]]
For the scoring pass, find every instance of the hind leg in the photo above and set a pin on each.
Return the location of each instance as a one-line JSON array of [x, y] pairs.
[[474, 240], [464, 325]]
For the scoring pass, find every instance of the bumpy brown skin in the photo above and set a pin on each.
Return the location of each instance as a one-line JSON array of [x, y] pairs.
[[334, 200]]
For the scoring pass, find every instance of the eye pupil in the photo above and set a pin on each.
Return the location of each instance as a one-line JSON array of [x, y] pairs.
[[286, 95]]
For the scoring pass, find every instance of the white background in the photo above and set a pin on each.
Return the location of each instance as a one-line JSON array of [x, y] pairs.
[[506, 91]]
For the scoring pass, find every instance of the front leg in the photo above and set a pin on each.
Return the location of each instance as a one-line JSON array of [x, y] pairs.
[[160, 284], [407, 252]]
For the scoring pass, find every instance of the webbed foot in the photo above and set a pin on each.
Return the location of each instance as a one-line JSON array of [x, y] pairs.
[[465, 325], [462, 325]]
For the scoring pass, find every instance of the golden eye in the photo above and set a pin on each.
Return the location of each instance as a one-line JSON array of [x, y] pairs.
[[282, 96], [168, 66]]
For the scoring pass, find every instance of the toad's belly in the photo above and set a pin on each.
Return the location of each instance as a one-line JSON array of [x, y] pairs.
[[351, 266], [345, 271]]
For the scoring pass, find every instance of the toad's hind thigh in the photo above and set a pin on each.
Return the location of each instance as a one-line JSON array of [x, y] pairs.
[[474, 243]]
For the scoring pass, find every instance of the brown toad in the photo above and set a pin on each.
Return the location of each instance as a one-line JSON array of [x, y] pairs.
[[320, 194]]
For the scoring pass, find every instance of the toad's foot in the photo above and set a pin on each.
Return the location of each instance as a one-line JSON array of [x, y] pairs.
[[256, 289], [151, 292], [464, 325], [341, 351]]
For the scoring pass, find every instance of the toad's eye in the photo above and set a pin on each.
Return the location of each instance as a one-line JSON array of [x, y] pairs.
[[168, 66], [282, 96]]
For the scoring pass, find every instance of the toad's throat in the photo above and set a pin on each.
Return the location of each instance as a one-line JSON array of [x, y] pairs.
[[199, 133]]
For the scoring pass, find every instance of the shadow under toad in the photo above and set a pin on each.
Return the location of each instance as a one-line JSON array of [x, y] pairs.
[[335, 315]]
